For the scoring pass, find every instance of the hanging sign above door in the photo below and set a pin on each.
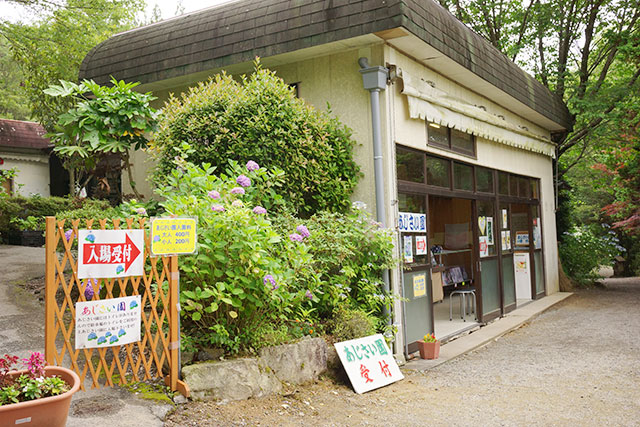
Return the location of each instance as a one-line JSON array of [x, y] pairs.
[[110, 253]]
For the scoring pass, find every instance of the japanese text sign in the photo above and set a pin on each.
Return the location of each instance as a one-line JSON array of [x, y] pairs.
[[110, 253], [419, 285], [172, 236], [368, 362], [107, 323], [412, 222]]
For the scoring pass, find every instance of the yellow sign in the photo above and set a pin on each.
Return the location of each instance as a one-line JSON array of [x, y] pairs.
[[419, 285], [171, 236]]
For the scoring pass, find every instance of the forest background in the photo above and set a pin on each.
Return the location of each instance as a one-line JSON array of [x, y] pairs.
[[585, 51]]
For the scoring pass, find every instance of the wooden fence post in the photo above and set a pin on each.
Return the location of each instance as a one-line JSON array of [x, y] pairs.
[[50, 291]]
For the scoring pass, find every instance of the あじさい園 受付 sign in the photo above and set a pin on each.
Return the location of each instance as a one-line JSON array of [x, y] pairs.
[[110, 253], [368, 362], [173, 236], [108, 322]]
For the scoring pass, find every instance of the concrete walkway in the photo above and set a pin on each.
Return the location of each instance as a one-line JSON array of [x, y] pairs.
[[22, 331], [488, 333]]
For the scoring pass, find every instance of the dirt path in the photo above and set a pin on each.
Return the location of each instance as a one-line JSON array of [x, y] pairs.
[[576, 364]]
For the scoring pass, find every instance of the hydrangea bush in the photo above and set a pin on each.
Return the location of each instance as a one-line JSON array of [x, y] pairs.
[[245, 275]]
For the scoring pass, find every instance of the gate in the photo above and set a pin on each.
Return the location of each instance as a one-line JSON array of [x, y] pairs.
[[156, 355]]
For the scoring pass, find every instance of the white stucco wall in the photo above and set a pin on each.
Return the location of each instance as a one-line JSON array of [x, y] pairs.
[[33, 173], [413, 133]]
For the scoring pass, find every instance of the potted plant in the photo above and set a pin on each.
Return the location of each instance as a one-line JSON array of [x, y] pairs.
[[31, 230], [429, 347], [36, 395]]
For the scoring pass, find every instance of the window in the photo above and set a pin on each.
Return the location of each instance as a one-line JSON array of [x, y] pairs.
[[409, 165], [438, 172], [462, 177], [484, 180], [503, 183], [451, 139]]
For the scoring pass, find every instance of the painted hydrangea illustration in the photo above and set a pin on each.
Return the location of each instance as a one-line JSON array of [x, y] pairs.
[[92, 336], [133, 305], [119, 269], [113, 339], [102, 340], [90, 238], [122, 332]]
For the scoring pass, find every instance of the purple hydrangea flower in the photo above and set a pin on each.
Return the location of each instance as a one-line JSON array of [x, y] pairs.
[[243, 181], [141, 211], [303, 231], [252, 166], [259, 210], [88, 290], [237, 190], [269, 280], [308, 294], [68, 234], [237, 204], [213, 194], [295, 237], [217, 208]]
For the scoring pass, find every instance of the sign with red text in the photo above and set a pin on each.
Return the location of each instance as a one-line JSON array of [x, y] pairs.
[[110, 253], [368, 362], [107, 323]]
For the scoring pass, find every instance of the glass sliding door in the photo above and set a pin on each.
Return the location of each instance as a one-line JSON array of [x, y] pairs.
[[520, 214], [416, 280], [538, 266], [506, 246], [488, 255]]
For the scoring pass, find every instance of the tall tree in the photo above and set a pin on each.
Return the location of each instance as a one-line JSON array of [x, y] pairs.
[[51, 48], [13, 102]]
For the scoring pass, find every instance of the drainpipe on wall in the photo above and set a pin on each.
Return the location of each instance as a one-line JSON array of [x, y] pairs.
[[375, 80]]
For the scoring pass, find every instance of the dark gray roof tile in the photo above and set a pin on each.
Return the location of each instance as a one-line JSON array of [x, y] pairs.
[[237, 32]]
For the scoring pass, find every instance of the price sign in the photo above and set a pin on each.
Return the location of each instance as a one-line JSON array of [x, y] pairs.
[[173, 236]]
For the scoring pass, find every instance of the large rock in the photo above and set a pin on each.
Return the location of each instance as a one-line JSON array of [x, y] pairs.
[[230, 380], [296, 363]]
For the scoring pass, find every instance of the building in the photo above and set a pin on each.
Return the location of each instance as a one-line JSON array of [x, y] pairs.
[[465, 136], [24, 148]]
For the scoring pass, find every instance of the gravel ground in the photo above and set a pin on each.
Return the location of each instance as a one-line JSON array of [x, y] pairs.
[[576, 364]]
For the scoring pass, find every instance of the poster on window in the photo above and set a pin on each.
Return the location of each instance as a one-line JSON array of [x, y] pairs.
[[537, 239], [419, 285], [503, 238], [489, 230], [482, 225], [421, 245], [504, 219], [408, 249], [508, 232], [484, 247]]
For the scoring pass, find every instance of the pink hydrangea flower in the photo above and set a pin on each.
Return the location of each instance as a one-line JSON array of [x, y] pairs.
[[252, 166], [259, 210], [308, 294], [303, 231], [68, 234], [217, 208], [237, 190], [243, 181], [295, 237], [214, 194]]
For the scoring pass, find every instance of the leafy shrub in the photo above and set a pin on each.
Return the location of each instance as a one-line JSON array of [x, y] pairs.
[[21, 207], [244, 275], [260, 118], [586, 248], [349, 252], [350, 323]]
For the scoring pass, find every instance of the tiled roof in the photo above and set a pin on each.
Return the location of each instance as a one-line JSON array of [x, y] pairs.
[[19, 134], [238, 32]]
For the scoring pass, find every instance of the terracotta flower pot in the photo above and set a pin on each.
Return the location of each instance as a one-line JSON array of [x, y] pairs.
[[429, 350], [49, 411]]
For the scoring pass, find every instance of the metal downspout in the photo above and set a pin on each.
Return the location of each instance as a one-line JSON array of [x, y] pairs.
[[375, 80]]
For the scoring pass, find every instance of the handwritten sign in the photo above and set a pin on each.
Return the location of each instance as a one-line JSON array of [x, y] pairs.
[[110, 253], [408, 249], [107, 323], [412, 222], [368, 362], [172, 236]]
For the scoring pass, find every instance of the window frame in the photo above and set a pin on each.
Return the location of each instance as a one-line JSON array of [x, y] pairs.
[[449, 146]]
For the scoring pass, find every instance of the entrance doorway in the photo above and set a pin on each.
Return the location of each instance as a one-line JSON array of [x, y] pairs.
[[453, 281]]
